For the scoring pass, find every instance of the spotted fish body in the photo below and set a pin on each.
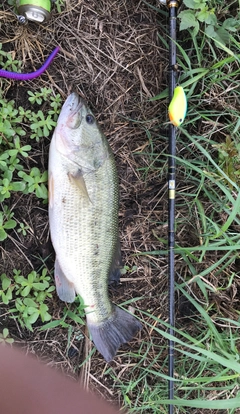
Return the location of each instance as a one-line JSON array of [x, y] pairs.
[[83, 218], [178, 107]]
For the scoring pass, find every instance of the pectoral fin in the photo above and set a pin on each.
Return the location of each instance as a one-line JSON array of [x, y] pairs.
[[78, 180], [65, 289]]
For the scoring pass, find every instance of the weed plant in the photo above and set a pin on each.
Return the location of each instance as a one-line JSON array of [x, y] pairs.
[[25, 295]]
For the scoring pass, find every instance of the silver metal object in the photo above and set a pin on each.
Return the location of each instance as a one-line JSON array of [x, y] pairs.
[[34, 10], [21, 19]]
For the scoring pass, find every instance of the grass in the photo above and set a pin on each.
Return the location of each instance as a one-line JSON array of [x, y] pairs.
[[207, 369], [207, 366]]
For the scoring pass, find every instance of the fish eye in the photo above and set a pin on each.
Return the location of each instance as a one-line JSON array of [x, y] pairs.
[[90, 119]]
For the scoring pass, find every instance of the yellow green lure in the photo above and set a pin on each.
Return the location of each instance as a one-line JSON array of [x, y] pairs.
[[178, 107]]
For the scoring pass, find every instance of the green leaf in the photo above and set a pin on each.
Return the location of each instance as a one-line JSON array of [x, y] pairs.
[[231, 24], [5, 333], [25, 291], [6, 182], [43, 308], [45, 131], [25, 177], [25, 149], [188, 19], [222, 35], [211, 19], [210, 31], [33, 310], [19, 305], [3, 234], [8, 294], [10, 224], [40, 285], [41, 192], [203, 14], [9, 340], [13, 152], [4, 156], [18, 186], [26, 323], [30, 302], [32, 318], [44, 177], [6, 282], [31, 188], [32, 276], [6, 298], [19, 279], [35, 172], [46, 317], [191, 4]]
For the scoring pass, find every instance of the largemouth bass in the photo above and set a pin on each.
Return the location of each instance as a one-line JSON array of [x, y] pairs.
[[83, 218]]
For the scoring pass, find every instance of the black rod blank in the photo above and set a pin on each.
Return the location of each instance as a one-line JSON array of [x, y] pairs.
[[173, 7]]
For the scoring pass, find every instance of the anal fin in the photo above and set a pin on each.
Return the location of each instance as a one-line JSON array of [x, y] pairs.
[[65, 289]]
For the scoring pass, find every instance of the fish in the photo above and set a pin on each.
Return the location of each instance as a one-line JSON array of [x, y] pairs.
[[178, 107], [83, 220]]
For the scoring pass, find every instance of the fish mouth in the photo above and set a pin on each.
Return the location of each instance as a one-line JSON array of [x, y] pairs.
[[73, 103], [71, 113]]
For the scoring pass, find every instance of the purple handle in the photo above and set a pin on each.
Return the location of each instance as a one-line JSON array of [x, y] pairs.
[[31, 75]]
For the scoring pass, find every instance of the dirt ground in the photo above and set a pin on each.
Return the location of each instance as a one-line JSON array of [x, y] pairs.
[[112, 55]]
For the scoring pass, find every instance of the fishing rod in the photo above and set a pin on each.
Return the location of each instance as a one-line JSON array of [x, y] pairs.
[[173, 115], [177, 110], [172, 6]]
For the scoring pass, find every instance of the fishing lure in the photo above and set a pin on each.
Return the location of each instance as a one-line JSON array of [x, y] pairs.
[[178, 107], [31, 75]]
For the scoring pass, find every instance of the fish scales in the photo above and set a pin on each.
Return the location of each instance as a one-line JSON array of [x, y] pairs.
[[83, 217], [94, 236]]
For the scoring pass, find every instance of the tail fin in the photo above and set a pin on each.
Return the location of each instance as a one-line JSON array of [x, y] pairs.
[[119, 328]]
